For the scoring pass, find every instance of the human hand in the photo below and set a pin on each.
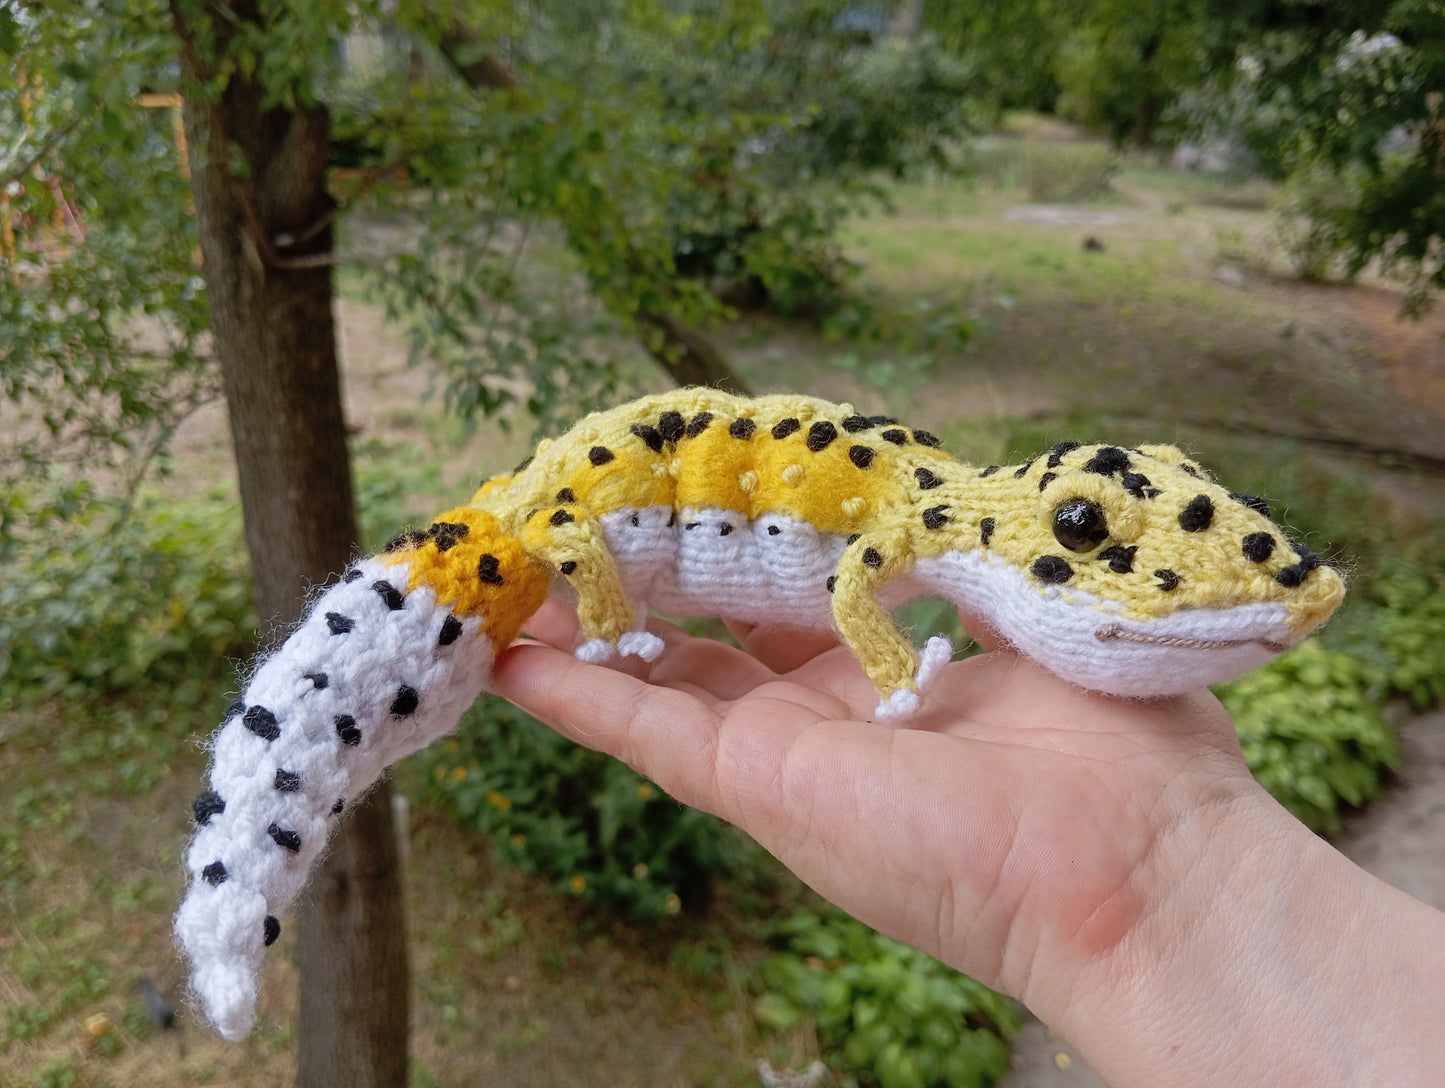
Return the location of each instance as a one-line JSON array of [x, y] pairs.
[[1077, 851]]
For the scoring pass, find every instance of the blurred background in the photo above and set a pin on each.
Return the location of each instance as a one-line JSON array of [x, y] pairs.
[[278, 279]]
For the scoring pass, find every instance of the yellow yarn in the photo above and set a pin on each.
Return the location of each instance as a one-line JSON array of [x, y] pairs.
[[822, 463]]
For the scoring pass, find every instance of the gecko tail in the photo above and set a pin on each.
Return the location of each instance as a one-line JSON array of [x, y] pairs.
[[385, 661]]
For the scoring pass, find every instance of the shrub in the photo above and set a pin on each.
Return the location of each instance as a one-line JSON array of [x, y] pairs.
[[103, 597], [590, 824], [884, 1011], [1313, 731]]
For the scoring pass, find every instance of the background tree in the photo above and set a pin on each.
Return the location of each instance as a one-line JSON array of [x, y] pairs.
[[476, 134]]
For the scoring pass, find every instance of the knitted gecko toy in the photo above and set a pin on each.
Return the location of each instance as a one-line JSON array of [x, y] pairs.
[[1123, 570]]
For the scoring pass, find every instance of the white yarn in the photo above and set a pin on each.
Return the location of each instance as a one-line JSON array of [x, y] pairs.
[[1056, 626], [401, 689], [386, 670]]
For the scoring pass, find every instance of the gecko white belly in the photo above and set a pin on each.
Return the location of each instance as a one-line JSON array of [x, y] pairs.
[[712, 562]]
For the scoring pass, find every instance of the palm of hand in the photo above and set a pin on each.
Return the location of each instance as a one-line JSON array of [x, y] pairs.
[[1016, 817]]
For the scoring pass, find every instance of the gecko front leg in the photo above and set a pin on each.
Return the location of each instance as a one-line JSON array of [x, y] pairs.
[[899, 672], [571, 541]]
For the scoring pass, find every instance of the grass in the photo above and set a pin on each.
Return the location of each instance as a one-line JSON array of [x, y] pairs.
[[514, 985]]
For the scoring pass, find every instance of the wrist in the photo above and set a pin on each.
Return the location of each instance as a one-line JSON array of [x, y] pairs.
[[1262, 957]]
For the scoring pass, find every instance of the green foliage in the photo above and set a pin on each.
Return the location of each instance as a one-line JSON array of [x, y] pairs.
[[102, 307], [1313, 731], [1404, 616], [883, 1011], [594, 827], [103, 597], [1347, 108], [1314, 722]]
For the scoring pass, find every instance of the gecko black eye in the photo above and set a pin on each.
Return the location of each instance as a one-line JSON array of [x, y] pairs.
[[1079, 525]]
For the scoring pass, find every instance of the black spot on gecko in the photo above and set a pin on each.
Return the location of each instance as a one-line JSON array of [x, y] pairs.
[[986, 473], [1254, 502], [270, 930], [412, 538], [262, 722], [1107, 461], [406, 701], [318, 679], [854, 424], [1120, 557], [1046, 479], [820, 434], [832, 581], [697, 424], [1056, 455], [489, 567], [450, 632], [1258, 547], [568, 566], [339, 624], [350, 576], [1023, 469], [742, 428], [1167, 579], [935, 517], [862, 456], [525, 463], [287, 840], [773, 530], [1052, 570], [926, 438], [236, 707], [1293, 576], [336, 808], [853, 540], [725, 530], [671, 426], [394, 598], [1197, 514], [566, 495], [448, 534], [560, 517], [650, 435], [872, 557], [785, 427], [927, 481], [347, 731], [207, 805], [287, 781], [895, 435], [985, 530], [1137, 484], [600, 455], [214, 874]]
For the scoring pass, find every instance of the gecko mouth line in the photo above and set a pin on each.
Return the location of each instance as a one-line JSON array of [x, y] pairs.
[[1113, 632]]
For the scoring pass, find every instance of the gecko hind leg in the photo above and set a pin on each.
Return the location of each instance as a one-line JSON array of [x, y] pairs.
[[572, 542]]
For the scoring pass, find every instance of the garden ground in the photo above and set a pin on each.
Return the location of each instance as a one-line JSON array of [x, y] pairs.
[[1159, 309]]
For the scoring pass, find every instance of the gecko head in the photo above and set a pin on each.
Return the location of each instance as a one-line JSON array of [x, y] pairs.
[[1137, 574]]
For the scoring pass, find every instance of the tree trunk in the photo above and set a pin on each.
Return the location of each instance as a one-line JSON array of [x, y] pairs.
[[266, 247]]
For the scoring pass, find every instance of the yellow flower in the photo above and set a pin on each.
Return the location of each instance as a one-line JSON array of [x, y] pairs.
[[458, 773], [578, 884], [644, 791], [674, 904], [439, 772], [452, 746], [639, 870], [499, 801], [519, 840]]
